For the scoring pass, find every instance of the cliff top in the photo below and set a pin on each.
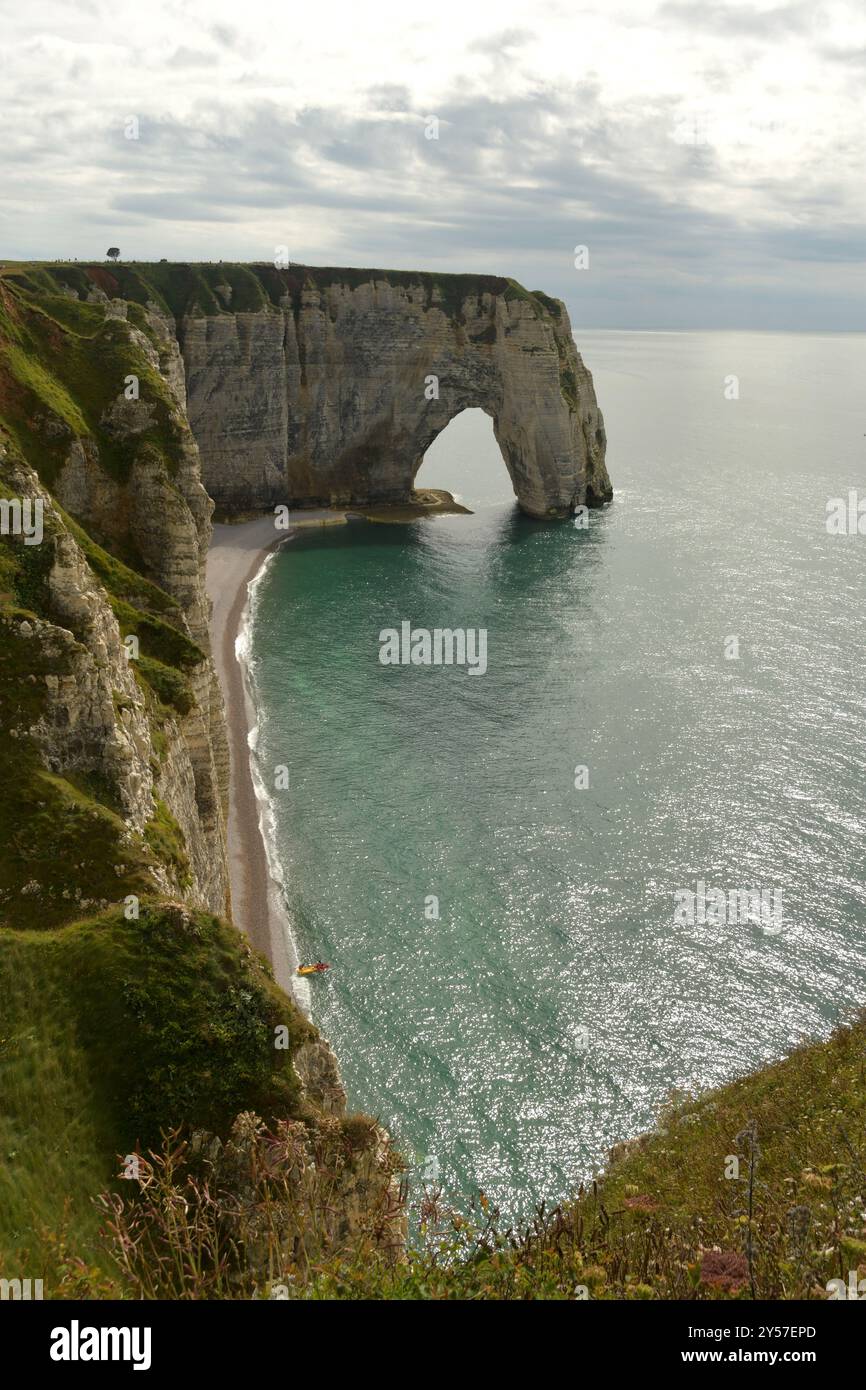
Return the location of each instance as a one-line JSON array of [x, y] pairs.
[[222, 287]]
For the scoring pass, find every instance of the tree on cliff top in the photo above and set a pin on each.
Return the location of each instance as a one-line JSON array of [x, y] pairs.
[[113, 252]]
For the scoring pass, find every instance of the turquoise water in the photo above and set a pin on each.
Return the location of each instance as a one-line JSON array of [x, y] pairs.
[[554, 1003]]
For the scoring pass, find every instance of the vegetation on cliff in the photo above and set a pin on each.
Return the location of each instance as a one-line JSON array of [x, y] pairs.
[[63, 365], [756, 1190], [123, 1013], [219, 287], [116, 1030], [211, 288], [64, 841]]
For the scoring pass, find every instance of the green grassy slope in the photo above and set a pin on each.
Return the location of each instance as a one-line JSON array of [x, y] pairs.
[[62, 365], [752, 1191], [112, 1031]]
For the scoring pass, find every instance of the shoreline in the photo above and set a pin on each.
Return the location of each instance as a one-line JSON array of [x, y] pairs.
[[236, 557]]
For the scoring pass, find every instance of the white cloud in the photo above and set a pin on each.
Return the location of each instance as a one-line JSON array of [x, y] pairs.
[[711, 157]]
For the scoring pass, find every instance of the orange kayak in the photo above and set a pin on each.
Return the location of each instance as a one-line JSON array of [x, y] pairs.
[[316, 969]]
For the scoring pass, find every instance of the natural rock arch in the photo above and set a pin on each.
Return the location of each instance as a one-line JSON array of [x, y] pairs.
[[334, 394]]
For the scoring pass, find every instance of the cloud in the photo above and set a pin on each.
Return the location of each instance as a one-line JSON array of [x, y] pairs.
[[851, 57], [745, 21], [226, 34], [503, 42], [697, 195], [192, 58]]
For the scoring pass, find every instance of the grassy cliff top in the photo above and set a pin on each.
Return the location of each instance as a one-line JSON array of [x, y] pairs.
[[64, 363], [206, 288]]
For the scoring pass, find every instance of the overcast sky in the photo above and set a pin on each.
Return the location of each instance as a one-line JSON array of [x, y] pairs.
[[710, 156]]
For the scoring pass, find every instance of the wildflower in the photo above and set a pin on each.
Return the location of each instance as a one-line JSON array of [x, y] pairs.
[[641, 1203], [724, 1269]]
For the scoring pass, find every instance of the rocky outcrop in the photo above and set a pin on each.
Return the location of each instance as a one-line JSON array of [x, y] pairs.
[[319, 1074], [133, 483], [334, 395], [92, 719]]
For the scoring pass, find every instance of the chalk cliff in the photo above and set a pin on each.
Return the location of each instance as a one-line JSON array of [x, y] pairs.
[[129, 399], [334, 394], [119, 568], [311, 385]]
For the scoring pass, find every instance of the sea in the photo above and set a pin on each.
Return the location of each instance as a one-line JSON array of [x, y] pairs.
[[531, 882]]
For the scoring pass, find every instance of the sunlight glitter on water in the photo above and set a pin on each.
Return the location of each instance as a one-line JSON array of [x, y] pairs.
[[552, 1005]]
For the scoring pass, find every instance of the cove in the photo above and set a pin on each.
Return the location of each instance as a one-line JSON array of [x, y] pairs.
[[552, 1004]]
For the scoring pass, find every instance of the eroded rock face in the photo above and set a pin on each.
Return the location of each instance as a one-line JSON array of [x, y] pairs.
[[161, 512], [335, 396], [319, 1074], [93, 718]]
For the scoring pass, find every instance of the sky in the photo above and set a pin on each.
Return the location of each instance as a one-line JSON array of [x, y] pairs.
[[709, 157]]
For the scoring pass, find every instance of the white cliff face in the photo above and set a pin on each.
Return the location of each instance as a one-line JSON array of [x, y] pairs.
[[161, 512], [170, 360], [93, 718], [335, 396]]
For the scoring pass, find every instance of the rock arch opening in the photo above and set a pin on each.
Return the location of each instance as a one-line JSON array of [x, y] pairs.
[[466, 460]]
